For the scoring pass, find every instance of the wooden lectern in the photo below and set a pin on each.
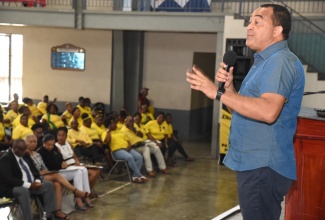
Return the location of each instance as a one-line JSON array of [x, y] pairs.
[[306, 197]]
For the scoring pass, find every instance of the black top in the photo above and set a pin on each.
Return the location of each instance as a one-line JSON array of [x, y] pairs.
[[53, 159]]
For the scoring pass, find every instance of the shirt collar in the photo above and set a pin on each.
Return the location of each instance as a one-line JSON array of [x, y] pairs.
[[271, 49]]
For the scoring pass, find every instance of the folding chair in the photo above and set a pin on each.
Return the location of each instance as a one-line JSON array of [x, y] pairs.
[[119, 164]]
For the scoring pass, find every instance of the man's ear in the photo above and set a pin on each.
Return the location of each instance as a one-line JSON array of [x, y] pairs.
[[277, 31]]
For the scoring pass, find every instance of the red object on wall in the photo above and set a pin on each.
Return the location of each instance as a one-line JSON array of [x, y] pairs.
[[306, 197], [29, 3]]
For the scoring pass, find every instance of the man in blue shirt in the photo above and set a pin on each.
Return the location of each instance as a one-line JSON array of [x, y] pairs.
[[264, 114]]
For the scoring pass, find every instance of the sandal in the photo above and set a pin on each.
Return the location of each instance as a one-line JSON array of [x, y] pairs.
[[143, 179], [61, 217], [137, 180], [75, 192]]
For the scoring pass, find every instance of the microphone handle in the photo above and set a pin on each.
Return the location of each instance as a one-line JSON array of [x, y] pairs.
[[222, 84]]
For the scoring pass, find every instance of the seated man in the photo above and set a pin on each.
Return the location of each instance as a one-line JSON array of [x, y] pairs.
[[145, 147], [20, 179]]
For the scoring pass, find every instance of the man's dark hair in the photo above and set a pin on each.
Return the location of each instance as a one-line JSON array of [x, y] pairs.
[[48, 137], [281, 17]]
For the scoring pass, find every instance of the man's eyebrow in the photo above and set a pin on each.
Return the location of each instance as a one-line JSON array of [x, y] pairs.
[[259, 16]]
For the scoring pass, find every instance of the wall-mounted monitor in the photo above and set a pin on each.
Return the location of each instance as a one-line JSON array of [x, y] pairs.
[[68, 57]]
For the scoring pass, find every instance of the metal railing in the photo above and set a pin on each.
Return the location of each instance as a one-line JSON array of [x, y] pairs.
[[306, 40]]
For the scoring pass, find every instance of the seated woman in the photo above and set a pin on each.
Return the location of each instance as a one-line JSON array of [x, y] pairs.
[[156, 131], [71, 158], [67, 114], [22, 130], [82, 143], [57, 180], [98, 124], [33, 109], [173, 141], [53, 160], [146, 115], [24, 110], [93, 134], [12, 114], [76, 116], [52, 119], [121, 149], [5, 141]]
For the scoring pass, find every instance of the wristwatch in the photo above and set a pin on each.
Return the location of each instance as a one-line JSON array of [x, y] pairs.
[[220, 92]]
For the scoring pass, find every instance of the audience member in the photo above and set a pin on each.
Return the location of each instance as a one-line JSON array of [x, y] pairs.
[[143, 100], [33, 109], [67, 114], [53, 160], [20, 179], [146, 115], [52, 119], [122, 150], [24, 110], [12, 114], [121, 119], [22, 130], [145, 147], [76, 113], [5, 141], [173, 141], [82, 107], [71, 158], [16, 99], [98, 124], [82, 143], [38, 132]]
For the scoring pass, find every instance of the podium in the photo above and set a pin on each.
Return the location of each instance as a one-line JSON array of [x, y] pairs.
[[306, 197]]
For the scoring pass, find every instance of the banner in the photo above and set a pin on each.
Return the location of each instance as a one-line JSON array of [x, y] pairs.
[[224, 131]]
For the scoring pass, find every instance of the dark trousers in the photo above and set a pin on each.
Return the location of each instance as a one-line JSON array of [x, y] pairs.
[[175, 145], [92, 152], [261, 192]]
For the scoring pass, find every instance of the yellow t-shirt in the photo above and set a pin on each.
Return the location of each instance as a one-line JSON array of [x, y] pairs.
[[55, 119], [100, 130], [34, 110], [92, 132], [80, 121], [156, 130], [119, 125], [146, 117], [67, 115], [133, 138], [118, 140], [21, 132], [142, 129], [42, 107], [2, 131], [16, 122], [85, 109], [11, 115], [74, 135]]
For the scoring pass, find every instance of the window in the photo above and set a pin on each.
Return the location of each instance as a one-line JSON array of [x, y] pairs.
[[11, 60]]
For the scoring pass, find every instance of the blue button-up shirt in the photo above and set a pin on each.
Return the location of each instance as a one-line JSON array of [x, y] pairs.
[[254, 144]]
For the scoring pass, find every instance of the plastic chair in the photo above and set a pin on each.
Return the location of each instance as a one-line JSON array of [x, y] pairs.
[[119, 164], [10, 210]]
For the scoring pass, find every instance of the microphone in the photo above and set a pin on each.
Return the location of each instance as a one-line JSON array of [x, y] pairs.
[[229, 58]]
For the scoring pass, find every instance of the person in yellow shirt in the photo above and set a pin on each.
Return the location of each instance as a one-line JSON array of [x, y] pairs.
[[5, 141], [88, 105], [146, 115], [82, 143], [12, 114], [16, 99], [22, 130], [33, 109], [121, 119], [93, 134], [52, 119], [145, 147], [157, 132], [98, 124], [67, 114], [76, 115], [43, 104], [122, 150], [24, 110], [82, 107]]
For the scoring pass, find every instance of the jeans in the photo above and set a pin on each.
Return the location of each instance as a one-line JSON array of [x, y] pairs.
[[133, 158]]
